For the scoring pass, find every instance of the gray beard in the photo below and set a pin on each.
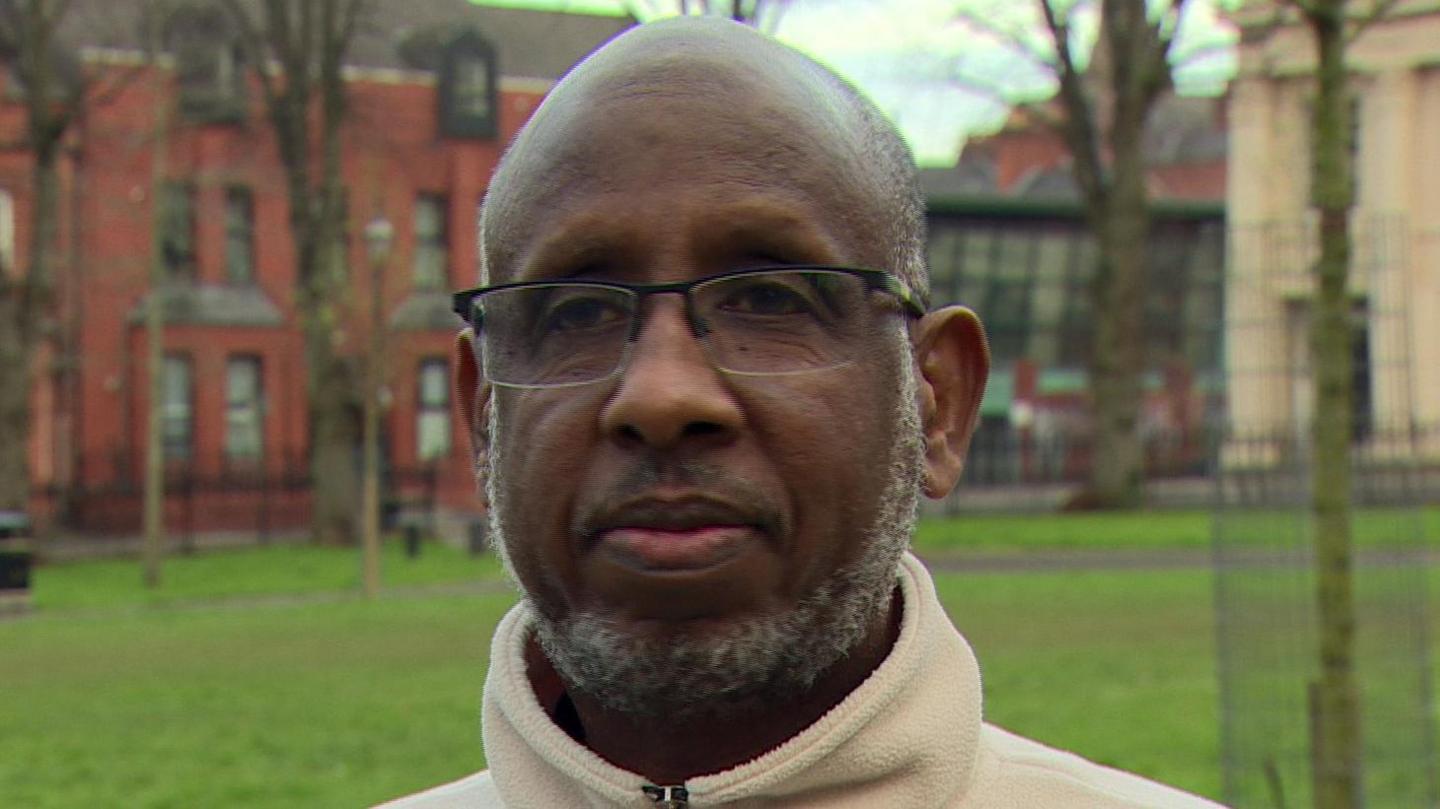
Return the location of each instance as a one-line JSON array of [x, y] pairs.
[[755, 662]]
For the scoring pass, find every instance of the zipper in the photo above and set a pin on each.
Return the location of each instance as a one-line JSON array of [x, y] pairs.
[[677, 797]]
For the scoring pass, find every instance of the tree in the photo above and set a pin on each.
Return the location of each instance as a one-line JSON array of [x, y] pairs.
[[52, 91], [1335, 696], [764, 15], [1100, 112], [305, 100]]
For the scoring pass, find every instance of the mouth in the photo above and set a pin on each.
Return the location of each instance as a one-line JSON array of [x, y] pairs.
[[675, 535]]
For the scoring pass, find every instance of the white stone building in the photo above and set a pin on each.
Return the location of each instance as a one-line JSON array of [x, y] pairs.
[[1396, 270]]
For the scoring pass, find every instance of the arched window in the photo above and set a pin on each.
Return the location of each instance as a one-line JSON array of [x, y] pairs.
[[468, 88], [208, 63]]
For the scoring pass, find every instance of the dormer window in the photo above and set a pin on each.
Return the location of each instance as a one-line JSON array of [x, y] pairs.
[[208, 64], [468, 91]]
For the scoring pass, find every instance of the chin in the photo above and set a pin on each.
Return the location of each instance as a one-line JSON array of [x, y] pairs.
[[718, 665]]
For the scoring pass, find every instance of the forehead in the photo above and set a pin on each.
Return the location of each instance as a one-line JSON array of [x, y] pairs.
[[769, 148]]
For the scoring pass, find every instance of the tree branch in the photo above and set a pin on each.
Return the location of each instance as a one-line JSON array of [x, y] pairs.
[[1379, 10], [1010, 39], [253, 46], [1079, 129]]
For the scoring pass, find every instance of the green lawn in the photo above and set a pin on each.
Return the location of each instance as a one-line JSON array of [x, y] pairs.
[[1021, 533], [258, 678], [277, 570], [1138, 531]]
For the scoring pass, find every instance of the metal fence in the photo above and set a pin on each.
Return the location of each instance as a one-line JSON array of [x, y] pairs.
[[1265, 599], [258, 502], [1265, 586]]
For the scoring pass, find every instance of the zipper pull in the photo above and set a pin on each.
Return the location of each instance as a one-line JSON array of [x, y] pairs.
[[670, 797]]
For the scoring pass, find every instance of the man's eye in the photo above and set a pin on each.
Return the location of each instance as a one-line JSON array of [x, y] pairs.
[[766, 298], [580, 313]]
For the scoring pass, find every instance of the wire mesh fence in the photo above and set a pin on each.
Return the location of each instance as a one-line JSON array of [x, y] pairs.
[[1265, 584], [1266, 624]]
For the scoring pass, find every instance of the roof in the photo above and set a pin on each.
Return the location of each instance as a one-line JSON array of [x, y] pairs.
[[530, 44], [1185, 147]]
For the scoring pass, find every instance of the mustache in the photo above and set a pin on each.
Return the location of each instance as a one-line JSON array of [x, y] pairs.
[[696, 493]]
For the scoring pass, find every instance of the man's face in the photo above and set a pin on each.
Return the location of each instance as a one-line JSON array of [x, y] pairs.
[[675, 504]]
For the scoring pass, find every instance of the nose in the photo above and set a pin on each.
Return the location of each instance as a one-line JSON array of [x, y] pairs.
[[669, 392]]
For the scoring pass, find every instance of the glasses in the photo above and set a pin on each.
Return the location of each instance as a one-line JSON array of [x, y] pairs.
[[762, 321]]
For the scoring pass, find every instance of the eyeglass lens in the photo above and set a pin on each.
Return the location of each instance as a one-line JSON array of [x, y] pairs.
[[570, 333]]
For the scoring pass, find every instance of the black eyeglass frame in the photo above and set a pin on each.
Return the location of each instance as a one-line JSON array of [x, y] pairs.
[[462, 302]]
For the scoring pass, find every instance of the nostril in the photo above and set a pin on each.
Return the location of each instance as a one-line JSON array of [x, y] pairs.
[[700, 429]]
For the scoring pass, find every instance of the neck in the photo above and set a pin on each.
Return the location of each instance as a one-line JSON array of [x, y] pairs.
[[669, 752]]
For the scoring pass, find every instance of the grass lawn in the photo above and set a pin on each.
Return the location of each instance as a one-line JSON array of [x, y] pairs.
[[1022, 533], [1118, 667], [1135, 531], [169, 701], [276, 570], [257, 678]]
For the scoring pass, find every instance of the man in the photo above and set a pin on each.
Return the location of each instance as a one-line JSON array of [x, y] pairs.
[[705, 397]]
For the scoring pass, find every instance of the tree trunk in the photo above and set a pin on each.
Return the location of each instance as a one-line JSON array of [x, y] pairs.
[[15, 384], [1117, 356], [153, 515], [335, 442], [1120, 218], [1337, 749], [309, 40], [25, 305]]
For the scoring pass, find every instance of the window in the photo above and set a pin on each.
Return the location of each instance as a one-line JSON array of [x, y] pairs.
[[1047, 305], [1006, 298], [176, 209], [432, 428], [239, 236], [470, 88], [1076, 317], [7, 232], [177, 407], [432, 243], [208, 63], [467, 88], [244, 409]]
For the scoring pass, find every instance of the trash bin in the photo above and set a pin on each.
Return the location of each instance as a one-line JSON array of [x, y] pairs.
[[16, 560]]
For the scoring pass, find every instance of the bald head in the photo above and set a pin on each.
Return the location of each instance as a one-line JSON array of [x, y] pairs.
[[772, 114]]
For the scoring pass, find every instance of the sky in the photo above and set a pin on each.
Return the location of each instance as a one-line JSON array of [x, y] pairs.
[[938, 75]]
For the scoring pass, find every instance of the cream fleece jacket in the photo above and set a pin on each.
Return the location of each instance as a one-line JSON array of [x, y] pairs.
[[910, 736]]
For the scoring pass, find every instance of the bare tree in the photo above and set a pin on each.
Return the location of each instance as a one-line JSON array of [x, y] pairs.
[[762, 14], [52, 92], [1335, 697], [296, 50], [1100, 112]]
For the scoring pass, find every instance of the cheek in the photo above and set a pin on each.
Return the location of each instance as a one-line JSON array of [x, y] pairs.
[[830, 440], [543, 446]]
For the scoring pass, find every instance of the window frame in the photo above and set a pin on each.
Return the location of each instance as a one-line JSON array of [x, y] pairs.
[[255, 405], [430, 411], [427, 246], [177, 451]]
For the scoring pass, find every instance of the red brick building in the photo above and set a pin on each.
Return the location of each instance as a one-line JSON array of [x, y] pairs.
[[436, 90]]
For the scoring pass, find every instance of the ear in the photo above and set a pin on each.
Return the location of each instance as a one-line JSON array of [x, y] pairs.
[[474, 397], [954, 362]]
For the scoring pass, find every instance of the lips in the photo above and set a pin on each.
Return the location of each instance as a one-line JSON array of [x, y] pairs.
[[663, 535]]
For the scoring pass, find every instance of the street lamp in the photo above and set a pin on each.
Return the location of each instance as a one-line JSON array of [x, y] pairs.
[[379, 236]]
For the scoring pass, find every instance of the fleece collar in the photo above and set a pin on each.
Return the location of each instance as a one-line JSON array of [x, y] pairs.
[[908, 736]]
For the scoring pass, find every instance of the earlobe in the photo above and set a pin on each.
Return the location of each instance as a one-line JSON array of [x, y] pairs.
[[473, 394], [954, 362]]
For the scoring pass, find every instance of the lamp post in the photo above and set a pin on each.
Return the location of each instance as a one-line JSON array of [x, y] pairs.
[[379, 235]]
